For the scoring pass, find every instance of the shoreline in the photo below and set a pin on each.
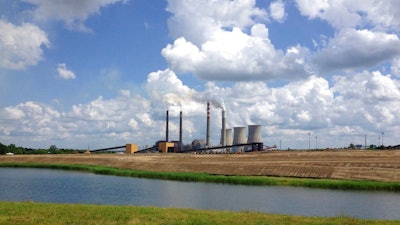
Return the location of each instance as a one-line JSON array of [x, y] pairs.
[[376, 165], [360, 185]]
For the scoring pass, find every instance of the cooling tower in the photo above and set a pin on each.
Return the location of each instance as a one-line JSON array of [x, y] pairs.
[[254, 134], [228, 137], [239, 137]]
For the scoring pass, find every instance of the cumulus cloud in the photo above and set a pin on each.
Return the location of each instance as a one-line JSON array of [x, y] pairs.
[[29, 119], [352, 48], [64, 73], [73, 13], [226, 40], [369, 100], [197, 20], [337, 13], [21, 46], [234, 55], [365, 32], [277, 11], [382, 15]]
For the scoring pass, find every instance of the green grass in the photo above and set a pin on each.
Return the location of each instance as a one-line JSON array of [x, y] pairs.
[[244, 180], [30, 213]]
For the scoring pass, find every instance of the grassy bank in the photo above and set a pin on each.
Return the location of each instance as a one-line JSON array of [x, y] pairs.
[[30, 213], [202, 177]]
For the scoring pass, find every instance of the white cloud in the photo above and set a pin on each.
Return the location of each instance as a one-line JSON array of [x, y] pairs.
[[64, 73], [277, 11], [21, 46], [234, 55], [370, 100], [382, 15], [168, 92], [352, 48], [197, 20], [366, 32], [72, 12], [28, 119], [226, 41], [337, 13]]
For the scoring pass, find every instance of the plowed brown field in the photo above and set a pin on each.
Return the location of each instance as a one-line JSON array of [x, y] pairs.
[[341, 164]]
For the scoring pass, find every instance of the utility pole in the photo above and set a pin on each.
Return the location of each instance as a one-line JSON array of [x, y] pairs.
[[316, 142], [309, 141], [382, 139]]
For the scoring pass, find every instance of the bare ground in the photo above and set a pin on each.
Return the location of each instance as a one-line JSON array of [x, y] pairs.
[[340, 164]]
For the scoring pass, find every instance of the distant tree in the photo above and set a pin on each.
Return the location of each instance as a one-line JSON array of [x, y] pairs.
[[351, 146], [3, 149], [53, 149], [16, 150]]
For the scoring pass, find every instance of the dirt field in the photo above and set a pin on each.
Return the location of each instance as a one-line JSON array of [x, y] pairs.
[[344, 164]]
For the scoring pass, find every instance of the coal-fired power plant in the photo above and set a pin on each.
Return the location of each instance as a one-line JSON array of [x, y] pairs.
[[228, 144], [231, 140]]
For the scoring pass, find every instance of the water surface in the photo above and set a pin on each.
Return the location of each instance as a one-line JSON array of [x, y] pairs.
[[57, 186]]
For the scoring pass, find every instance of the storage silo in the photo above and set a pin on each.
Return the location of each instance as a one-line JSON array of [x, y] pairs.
[[239, 137], [254, 134]]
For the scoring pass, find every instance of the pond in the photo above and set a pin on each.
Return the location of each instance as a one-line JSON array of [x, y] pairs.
[[58, 186]]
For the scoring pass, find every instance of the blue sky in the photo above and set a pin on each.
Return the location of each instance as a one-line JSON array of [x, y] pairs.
[[103, 73]]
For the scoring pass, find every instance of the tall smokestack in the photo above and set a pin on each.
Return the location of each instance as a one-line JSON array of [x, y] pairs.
[[180, 127], [208, 125], [166, 128], [223, 133]]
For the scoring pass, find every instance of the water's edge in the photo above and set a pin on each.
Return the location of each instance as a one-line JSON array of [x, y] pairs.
[[241, 180]]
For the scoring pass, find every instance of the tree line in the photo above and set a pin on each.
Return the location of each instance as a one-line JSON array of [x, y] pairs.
[[12, 148]]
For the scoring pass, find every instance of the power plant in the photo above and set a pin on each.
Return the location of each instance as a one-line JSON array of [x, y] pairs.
[[228, 143], [236, 143]]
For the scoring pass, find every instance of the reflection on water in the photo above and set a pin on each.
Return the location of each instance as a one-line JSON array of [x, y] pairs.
[[44, 185]]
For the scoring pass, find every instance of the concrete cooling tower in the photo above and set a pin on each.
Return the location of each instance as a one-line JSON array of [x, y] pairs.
[[254, 134], [239, 137]]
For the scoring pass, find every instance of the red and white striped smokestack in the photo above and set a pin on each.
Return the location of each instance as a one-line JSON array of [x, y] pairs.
[[166, 128], [208, 125]]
